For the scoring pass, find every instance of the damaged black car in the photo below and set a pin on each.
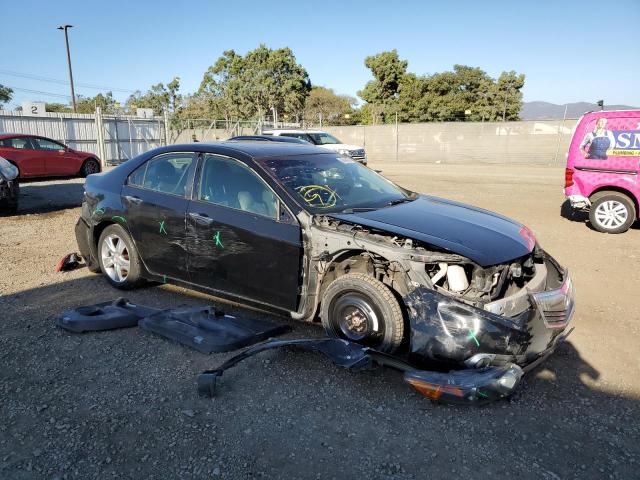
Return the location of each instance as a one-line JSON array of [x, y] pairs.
[[298, 230]]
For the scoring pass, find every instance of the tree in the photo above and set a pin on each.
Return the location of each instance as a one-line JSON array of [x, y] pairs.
[[106, 103], [6, 94], [332, 108], [159, 97], [58, 107], [508, 95], [388, 72], [465, 93], [251, 86]]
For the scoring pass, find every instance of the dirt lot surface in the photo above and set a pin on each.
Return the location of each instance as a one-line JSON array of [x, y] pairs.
[[123, 404]]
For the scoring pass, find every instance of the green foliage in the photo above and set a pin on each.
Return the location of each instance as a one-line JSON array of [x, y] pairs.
[[250, 86], [466, 93], [5, 94], [106, 103], [332, 108], [58, 107], [159, 97]]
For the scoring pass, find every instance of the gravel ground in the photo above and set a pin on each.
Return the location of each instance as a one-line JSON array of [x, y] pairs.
[[124, 403]]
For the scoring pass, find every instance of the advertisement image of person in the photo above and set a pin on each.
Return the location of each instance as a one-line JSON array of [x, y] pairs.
[[596, 143]]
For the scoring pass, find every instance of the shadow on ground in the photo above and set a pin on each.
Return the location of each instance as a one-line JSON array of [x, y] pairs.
[[50, 195], [124, 403]]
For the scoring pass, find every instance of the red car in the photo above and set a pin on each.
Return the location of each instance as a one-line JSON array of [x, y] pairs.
[[42, 157]]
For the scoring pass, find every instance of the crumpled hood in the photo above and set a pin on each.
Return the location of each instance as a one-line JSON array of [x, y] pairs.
[[485, 237]]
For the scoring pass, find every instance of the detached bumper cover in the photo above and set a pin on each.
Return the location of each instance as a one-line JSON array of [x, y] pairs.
[[470, 386], [445, 330], [83, 237]]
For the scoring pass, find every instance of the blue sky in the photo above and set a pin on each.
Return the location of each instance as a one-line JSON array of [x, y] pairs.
[[570, 51]]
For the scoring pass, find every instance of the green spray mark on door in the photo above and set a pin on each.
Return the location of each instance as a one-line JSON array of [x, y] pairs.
[[162, 229], [216, 238], [473, 335]]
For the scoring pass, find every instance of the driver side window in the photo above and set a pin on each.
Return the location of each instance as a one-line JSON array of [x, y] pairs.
[[43, 144], [230, 184], [167, 173]]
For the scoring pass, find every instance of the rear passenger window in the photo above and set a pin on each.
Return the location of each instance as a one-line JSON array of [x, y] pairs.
[[167, 173], [231, 184], [15, 143]]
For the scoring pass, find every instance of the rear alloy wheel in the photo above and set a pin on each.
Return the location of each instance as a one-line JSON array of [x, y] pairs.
[[359, 308], [611, 212], [118, 257], [89, 167]]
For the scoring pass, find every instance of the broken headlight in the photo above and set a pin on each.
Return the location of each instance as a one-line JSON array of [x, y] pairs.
[[467, 386], [556, 306], [457, 320]]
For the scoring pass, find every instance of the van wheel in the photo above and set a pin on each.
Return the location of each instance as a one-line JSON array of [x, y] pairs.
[[359, 308], [611, 212]]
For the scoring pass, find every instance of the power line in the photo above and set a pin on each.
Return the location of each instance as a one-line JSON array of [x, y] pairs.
[[62, 82], [39, 92]]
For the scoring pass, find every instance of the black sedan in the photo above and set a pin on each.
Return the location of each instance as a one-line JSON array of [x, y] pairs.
[[300, 230], [267, 138], [9, 188]]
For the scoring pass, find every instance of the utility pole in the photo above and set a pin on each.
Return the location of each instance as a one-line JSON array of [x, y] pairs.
[[65, 28]]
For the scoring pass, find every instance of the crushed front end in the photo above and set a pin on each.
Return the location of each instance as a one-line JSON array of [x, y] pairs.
[[521, 326]]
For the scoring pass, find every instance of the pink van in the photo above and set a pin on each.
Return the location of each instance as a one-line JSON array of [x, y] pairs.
[[602, 169]]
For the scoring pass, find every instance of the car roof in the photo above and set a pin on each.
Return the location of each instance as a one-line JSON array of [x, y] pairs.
[[14, 135], [254, 149], [294, 130], [265, 138]]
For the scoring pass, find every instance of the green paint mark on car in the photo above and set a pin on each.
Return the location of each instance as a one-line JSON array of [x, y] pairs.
[[162, 229], [99, 211], [473, 335], [216, 238], [119, 218]]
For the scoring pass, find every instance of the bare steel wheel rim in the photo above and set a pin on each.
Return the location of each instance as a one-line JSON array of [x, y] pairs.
[[611, 214], [354, 318], [115, 258]]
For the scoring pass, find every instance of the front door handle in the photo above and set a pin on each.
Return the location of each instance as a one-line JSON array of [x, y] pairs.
[[133, 199], [201, 218]]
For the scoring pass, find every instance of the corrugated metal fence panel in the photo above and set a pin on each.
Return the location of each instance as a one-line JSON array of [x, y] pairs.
[[125, 137]]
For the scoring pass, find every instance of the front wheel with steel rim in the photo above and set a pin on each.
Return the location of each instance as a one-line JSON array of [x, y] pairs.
[[119, 259], [359, 308], [611, 212]]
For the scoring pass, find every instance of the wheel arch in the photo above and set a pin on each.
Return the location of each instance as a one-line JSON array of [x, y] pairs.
[[621, 190]]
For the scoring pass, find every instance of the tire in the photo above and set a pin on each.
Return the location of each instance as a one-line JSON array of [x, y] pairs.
[[611, 212], [113, 255], [89, 166], [354, 303]]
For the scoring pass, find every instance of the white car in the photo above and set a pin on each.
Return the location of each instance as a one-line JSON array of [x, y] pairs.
[[324, 140]]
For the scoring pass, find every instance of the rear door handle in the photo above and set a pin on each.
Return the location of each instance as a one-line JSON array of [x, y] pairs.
[[201, 218], [133, 199]]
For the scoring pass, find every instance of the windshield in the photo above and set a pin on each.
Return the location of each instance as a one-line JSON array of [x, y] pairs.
[[323, 138], [327, 183]]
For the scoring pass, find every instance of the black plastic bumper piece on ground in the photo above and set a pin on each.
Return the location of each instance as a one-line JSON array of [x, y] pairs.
[[209, 330], [120, 313], [341, 352]]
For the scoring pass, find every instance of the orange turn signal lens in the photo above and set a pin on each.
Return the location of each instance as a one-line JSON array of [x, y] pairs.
[[434, 391]]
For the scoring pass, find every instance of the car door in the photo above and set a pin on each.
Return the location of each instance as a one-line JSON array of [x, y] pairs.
[[155, 199], [57, 159], [242, 240], [21, 151]]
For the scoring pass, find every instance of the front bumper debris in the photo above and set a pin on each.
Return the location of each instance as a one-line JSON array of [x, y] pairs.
[[470, 386], [446, 330]]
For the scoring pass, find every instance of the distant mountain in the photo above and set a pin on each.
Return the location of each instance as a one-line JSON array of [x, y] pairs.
[[550, 111]]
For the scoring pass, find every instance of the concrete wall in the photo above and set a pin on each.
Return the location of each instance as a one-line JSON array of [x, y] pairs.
[[524, 142]]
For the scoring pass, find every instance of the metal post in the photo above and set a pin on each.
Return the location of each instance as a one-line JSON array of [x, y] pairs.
[[564, 117], [102, 151], [65, 28], [130, 138], [396, 136]]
